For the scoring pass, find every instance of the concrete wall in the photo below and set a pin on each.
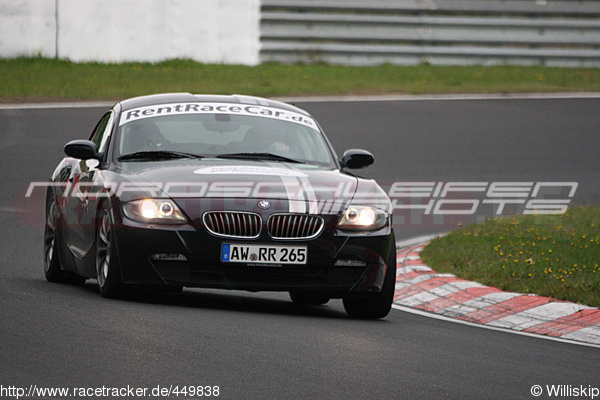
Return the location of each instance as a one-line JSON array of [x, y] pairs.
[[27, 27], [210, 31]]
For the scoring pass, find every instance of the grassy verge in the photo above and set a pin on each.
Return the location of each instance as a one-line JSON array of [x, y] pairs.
[[39, 79], [549, 255]]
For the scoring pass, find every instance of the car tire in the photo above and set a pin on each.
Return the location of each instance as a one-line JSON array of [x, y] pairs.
[[52, 268], [309, 299], [108, 273], [379, 304]]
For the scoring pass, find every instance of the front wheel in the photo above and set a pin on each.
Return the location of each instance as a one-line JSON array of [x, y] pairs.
[[378, 305], [108, 273]]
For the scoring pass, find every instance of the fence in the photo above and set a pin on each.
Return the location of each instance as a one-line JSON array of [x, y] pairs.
[[445, 32]]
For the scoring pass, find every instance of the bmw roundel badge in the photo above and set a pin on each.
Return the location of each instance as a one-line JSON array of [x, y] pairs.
[[264, 204]]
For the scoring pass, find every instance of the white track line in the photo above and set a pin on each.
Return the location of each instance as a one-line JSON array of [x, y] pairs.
[[444, 97]]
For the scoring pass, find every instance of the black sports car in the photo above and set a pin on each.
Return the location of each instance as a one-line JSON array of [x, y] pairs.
[[230, 192]]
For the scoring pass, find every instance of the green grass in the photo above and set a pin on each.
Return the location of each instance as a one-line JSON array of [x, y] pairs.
[[39, 79], [549, 255]]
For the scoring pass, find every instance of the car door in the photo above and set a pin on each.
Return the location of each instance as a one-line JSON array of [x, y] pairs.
[[84, 195]]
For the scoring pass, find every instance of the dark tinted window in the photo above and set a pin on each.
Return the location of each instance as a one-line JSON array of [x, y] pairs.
[[102, 131]]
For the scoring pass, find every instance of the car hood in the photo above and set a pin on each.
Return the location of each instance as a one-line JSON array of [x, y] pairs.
[[287, 186]]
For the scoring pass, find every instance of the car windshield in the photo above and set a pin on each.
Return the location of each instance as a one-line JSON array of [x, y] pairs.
[[272, 134]]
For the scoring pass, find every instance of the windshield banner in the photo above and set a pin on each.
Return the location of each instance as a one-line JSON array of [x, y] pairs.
[[215, 108]]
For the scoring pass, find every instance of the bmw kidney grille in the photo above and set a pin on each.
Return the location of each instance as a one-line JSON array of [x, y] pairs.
[[247, 225], [233, 224], [294, 226]]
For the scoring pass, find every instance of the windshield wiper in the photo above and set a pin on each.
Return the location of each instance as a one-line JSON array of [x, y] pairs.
[[157, 155], [259, 156]]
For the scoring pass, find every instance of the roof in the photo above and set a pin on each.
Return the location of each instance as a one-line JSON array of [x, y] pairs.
[[166, 98]]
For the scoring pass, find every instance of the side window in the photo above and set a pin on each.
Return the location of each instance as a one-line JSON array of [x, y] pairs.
[[102, 131]]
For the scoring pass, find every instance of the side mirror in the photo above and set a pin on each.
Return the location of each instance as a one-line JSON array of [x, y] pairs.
[[81, 149], [356, 159]]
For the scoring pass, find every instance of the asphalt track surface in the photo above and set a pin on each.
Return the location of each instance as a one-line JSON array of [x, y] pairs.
[[260, 345]]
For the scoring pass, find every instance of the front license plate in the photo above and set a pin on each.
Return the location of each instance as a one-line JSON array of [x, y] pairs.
[[263, 254]]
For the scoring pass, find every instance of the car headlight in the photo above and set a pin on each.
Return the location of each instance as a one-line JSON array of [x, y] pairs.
[[154, 211], [360, 218]]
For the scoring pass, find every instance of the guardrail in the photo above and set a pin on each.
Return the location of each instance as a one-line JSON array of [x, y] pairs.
[[445, 32]]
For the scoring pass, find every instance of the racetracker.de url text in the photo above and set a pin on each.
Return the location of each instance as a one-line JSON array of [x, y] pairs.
[[34, 391]]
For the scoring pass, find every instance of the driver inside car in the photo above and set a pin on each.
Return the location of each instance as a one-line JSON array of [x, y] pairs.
[[267, 141], [144, 136]]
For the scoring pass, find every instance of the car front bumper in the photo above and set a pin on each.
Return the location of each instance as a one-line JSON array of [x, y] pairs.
[[337, 263]]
